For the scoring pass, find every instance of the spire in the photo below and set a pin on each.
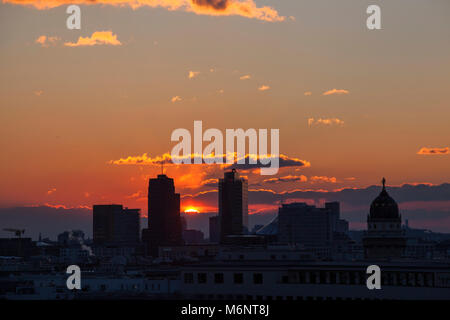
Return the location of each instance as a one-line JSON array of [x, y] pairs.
[[384, 184]]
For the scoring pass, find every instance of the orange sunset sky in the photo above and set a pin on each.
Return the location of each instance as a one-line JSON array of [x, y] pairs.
[[86, 113]]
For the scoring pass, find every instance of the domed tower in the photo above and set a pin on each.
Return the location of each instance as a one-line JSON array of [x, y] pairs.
[[384, 238]]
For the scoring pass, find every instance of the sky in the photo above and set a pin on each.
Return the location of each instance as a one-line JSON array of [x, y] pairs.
[[86, 114]]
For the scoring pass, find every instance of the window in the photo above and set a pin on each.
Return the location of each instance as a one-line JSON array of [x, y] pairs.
[[201, 277], [238, 278], [257, 278], [188, 278], [218, 278]]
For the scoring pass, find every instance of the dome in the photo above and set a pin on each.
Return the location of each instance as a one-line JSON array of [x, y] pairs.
[[384, 207]]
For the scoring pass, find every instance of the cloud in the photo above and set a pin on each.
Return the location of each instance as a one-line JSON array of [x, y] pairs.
[[175, 99], [289, 178], [193, 74], [263, 88], [336, 91], [245, 77], [326, 122], [97, 38], [433, 151], [322, 179], [38, 93], [166, 158], [308, 93], [52, 190], [210, 182], [243, 8], [45, 41], [284, 162]]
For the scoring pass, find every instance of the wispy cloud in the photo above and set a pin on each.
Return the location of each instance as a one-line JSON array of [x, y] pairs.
[[45, 41], [264, 88], [289, 178], [336, 91], [52, 190], [323, 179], [433, 151], [175, 99], [38, 93], [193, 74], [325, 121], [97, 38], [308, 93], [245, 77], [243, 8]]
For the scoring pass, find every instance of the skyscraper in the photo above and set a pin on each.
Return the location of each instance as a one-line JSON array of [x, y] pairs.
[[115, 225], [164, 223], [233, 205]]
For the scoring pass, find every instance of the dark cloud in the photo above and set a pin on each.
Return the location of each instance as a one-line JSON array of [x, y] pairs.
[[284, 162], [213, 4]]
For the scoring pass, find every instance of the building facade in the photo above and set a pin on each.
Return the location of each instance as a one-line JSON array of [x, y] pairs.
[[113, 224], [164, 222], [233, 205], [384, 238]]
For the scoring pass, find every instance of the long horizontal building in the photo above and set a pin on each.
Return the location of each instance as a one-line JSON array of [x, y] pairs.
[[294, 280]]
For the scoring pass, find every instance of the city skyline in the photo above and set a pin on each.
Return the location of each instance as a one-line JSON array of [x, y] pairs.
[[88, 113], [198, 219]]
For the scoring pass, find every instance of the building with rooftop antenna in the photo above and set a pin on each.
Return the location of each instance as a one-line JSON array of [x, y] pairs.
[[384, 238]]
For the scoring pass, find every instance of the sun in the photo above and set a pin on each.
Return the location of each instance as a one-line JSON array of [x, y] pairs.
[[191, 210]]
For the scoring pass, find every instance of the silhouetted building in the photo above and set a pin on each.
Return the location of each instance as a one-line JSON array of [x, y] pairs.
[[214, 231], [183, 222], [300, 223], [233, 205], [17, 247], [164, 223], [384, 238], [191, 236], [115, 225]]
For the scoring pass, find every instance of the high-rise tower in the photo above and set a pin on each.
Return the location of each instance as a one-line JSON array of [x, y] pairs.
[[164, 224], [233, 205]]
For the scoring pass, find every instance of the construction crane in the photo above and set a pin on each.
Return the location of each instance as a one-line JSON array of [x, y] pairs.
[[18, 232]]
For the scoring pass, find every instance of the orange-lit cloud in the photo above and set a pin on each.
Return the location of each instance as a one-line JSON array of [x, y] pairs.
[[243, 8], [323, 179], [308, 93], [175, 99], [38, 93], [246, 77], [52, 190], [59, 206], [326, 122], [336, 91], [263, 88], [45, 41], [193, 74], [166, 158], [262, 208], [97, 38], [210, 182], [434, 151]]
